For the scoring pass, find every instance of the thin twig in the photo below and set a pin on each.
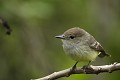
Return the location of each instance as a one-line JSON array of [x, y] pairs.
[[5, 25], [89, 70]]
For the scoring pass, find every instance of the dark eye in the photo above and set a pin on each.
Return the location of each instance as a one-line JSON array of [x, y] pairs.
[[72, 37]]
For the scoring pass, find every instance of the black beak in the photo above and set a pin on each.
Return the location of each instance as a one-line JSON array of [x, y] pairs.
[[60, 37]]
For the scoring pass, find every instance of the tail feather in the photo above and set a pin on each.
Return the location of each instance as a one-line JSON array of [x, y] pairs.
[[103, 54]]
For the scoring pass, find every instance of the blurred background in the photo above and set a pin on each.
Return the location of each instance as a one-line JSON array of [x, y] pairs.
[[32, 51]]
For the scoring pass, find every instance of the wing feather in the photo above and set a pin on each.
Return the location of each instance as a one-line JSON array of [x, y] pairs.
[[93, 44]]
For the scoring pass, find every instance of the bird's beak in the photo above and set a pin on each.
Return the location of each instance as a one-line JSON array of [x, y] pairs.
[[60, 37]]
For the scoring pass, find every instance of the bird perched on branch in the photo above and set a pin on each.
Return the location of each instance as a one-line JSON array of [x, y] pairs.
[[81, 46]]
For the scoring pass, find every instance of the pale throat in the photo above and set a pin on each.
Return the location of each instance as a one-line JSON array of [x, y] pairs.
[[73, 47]]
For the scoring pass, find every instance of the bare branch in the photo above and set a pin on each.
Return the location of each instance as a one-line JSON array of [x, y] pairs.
[[89, 70]]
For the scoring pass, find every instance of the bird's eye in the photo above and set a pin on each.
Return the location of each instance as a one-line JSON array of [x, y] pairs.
[[72, 37]]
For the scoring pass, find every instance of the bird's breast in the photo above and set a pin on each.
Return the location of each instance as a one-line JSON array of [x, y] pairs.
[[80, 52]]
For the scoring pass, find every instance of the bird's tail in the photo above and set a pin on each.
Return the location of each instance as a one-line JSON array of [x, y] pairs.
[[103, 54]]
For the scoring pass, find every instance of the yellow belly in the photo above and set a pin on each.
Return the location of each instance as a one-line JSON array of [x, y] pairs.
[[88, 56], [84, 53]]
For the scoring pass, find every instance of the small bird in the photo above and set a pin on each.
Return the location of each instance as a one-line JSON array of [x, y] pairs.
[[81, 46]]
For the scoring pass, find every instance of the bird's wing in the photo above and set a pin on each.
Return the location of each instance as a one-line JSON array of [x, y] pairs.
[[96, 46]]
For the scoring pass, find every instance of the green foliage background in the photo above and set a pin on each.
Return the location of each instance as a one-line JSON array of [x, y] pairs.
[[31, 51]]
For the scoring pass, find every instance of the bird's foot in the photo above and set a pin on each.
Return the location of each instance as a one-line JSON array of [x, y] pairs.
[[87, 69], [72, 70]]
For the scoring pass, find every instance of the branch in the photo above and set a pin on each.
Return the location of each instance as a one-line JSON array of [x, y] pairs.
[[5, 25], [89, 70]]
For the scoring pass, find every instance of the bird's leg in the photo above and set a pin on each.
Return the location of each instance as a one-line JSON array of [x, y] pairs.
[[74, 65], [86, 66], [72, 69], [89, 63]]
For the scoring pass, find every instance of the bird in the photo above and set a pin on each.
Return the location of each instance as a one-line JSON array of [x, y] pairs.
[[81, 45]]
